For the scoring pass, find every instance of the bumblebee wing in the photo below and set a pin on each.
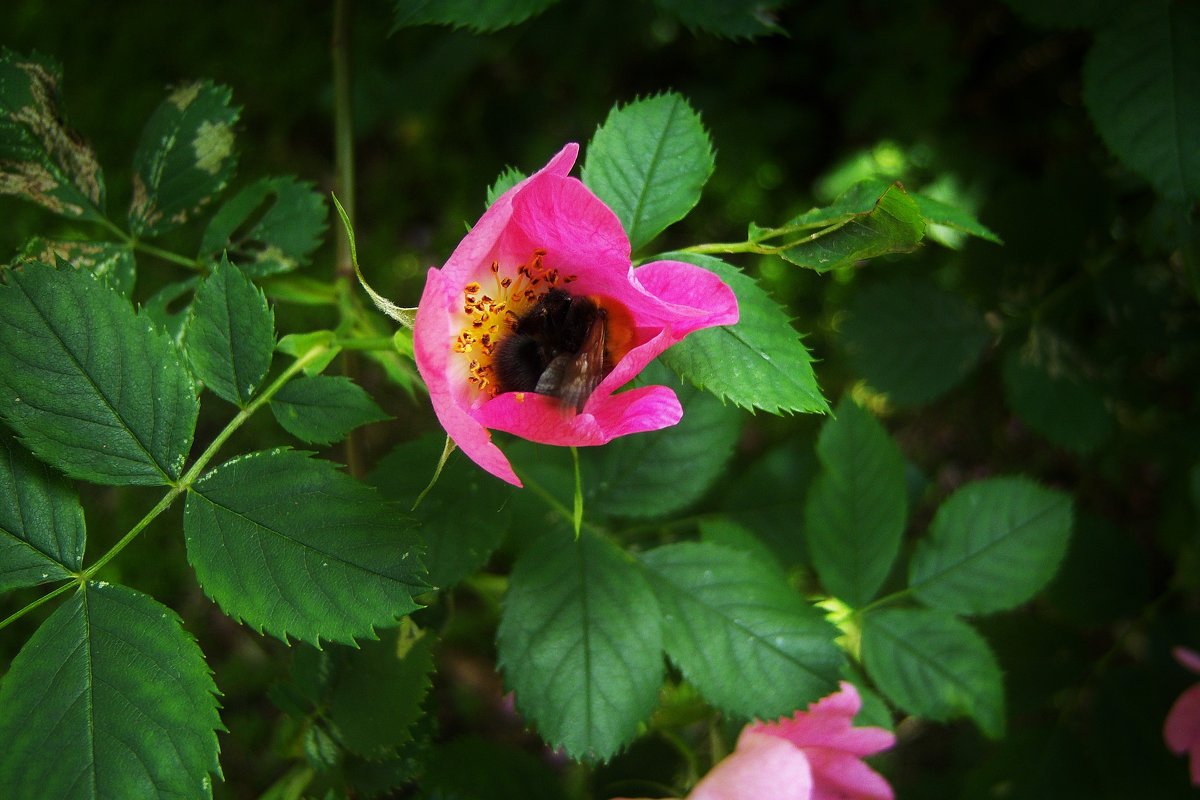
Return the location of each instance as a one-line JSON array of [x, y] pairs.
[[584, 371]]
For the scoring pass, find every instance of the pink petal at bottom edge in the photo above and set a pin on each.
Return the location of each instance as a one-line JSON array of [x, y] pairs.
[[542, 419], [841, 776], [761, 768], [1181, 731]]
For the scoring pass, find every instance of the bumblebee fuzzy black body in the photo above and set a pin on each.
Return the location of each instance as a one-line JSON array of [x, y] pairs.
[[557, 348]]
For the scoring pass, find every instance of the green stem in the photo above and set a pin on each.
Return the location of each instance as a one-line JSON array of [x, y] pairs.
[[577, 516], [46, 598], [185, 483], [154, 250], [884, 601], [366, 343], [343, 129], [731, 247]]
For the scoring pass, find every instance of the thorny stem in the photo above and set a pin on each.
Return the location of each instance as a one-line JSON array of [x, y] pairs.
[[184, 483]]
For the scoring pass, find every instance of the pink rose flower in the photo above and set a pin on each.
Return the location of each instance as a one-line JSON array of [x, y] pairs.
[[550, 232], [814, 755], [1181, 731]]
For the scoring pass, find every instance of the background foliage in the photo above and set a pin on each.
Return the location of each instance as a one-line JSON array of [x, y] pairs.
[[1054, 375]]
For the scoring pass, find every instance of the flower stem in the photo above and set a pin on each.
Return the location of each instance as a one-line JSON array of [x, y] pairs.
[[16, 615]]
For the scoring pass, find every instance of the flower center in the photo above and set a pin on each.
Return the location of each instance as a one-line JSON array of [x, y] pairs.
[[488, 317]]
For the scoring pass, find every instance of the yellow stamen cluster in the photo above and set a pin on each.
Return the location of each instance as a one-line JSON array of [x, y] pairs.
[[489, 317]]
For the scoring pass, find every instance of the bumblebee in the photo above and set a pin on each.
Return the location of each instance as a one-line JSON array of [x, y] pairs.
[[562, 347]]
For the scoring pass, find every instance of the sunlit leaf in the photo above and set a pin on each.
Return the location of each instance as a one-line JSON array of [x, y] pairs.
[[937, 212], [184, 159], [93, 388], [580, 642], [1141, 83], [870, 220], [323, 409], [271, 226], [229, 336], [739, 633], [855, 511], [41, 522], [110, 698], [761, 362], [41, 159], [992, 544], [934, 665], [649, 162], [296, 548]]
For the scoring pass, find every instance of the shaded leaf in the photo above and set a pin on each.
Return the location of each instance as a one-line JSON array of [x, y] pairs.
[[479, 15], [229, 336], [42, 530], [992, 545], [856, 508], [184, 159], [1141, 83], [111, 261], [165, 308], [649, 162], [913, 340], [379, 691], [271, 226], [739, 633], [934, 665], [732, 18], [324, 408], [580, 642], [91, 387], [482, 769], [110, 698], [41, 159], [457, 543], [1064, 408], [662, 471], [761, 362], [296, 548]]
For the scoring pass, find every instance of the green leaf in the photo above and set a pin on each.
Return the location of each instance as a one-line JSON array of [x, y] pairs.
[[1066, 13], [1141, 83], [463, 518], [109, 698], [297, 344], [767, 496], [761, 362], [1057, 404], [912, 340], [649, 162], [165, 309], [379, 692], [992, 545], [184, 159], [739, 633], [229, 336], [936, 212], [655, 473], [732, 18], [113, 262], [324, 408], [42, 531], [474, 768], [580, 642], [934, 665], [41, 159], [296, 548], [871, 219], [92, 388], [856, 508], [509, 178], [271, 226], [478, 15]]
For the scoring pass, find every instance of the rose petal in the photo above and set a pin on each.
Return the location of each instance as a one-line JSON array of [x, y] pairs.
[[1188, 659], [542, 419], [839, 775], [829, 723], [761, 767], [1181, 730]]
